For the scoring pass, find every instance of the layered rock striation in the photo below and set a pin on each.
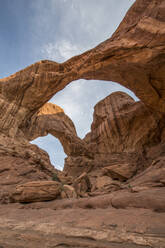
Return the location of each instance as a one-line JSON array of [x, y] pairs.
[[117, 169], [122, 125], [52, 119], [121, 134], [136, 48]]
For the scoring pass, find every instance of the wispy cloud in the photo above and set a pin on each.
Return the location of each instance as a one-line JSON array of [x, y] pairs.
[[61, 50], [74, 25]]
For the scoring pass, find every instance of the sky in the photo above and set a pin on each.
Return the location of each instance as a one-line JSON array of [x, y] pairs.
[[32, 30]]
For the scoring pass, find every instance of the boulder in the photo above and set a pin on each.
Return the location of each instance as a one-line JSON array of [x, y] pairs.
[[106, 184], [36, 191], [121, 172], [68, 192], [82, 185]]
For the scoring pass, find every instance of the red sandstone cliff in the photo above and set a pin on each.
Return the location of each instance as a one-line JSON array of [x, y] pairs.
[[118, 169]]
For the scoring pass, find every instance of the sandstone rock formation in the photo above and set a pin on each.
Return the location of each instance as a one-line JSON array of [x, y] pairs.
[[67, 191], [121, 172], [82, 185], [122, 158], [36, 191], [136, 48], [39, 226], [52, 119], [21, 162], [120, 124], [121, 131]]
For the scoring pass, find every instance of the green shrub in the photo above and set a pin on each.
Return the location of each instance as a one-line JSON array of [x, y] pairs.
[[55, 178]]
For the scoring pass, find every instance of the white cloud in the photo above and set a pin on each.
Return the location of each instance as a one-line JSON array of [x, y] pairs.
[[60, 50]]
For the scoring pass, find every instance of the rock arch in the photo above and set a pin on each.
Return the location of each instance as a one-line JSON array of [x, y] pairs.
[[51, 119], [121, 128], [134, 57]]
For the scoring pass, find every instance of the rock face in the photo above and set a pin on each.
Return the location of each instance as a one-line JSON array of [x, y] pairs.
[[52, 119], [77, 227], [136, 48], [121, 172], [120, 124], [21, 162], [36, 191], [121, 131], [117, 169]]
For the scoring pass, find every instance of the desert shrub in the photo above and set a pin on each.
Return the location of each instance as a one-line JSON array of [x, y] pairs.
[[55, 178]]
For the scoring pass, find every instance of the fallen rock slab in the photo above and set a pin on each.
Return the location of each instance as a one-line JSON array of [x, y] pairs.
[[82, 184], [121, 172], [36, 191], [68, 192], [153, 199]]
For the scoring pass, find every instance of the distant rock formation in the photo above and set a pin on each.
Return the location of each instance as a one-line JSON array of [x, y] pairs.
[[52, 119], [122, 125], [121, 132]]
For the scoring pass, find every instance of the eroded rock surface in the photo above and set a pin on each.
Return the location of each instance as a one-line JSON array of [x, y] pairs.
[[120, 124], [36, 191], [118, 169], [121, 132], [136, 48], [93, 228], [21, 162], [52, 119]]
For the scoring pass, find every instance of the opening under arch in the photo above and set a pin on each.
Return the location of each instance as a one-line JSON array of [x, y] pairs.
[[77, 100], [54, 148]]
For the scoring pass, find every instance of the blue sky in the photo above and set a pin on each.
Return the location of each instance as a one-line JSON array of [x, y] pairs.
[[31, 30]]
